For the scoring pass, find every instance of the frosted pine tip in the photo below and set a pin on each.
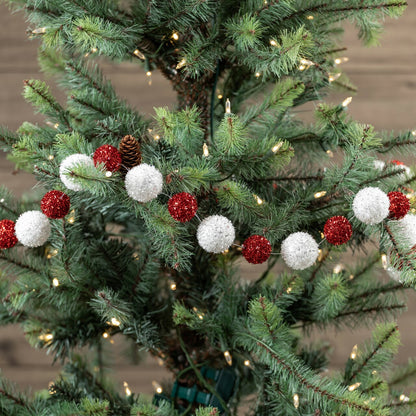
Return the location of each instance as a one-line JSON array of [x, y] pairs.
[[354, 386], [347, 101], [296, 400], [228, 106], [39, 30], [139, 55], [258, 199], [319, 194], [126, 389], [334, 77], [384, 262], [181, 63], [115, 322], [277, 147], [228, 357], [354, 351], [205, 150], [157, 387]]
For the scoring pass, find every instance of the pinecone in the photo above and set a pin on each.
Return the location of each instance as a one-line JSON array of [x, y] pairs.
[[131, 155]]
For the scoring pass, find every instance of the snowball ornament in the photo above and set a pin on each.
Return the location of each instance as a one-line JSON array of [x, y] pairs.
[[109, 156], [144, 183], [68, 164], [407, 227], [299, 250], [256, 249], [371, 205], [182, 206], [400, 165], [215, 234], [379, 164], [399, 205], [7, 234], [55, 204], [337, 230], [33, 228]]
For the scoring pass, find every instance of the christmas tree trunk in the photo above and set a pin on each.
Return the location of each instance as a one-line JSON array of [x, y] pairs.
[[142, 222]]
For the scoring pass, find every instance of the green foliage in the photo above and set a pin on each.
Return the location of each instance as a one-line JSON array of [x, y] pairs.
[[181, 129], [330, 297], [375, 354], [231, 138], [116, 266], [245, 32]]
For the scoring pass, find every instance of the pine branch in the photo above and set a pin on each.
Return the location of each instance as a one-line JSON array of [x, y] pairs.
[[315, 388], [16, 400], [372, 310], [375, 350]]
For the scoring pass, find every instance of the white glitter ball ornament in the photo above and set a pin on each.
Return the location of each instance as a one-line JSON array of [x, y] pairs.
[[379, 164], [66, 167], [407, 227], [144, 183], [215, 234], [32, 228], [299, 250], [371, 205]]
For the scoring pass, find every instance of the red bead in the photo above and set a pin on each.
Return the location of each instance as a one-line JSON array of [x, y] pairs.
[[109, 156], [256, 249], [399, 205], [8, 237], [337, 230], [55, 204], [182, 207]]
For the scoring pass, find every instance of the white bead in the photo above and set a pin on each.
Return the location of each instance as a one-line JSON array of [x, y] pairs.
[[407, 226], [68, 164], [394, 274], [371, 205], [379, 164], [144, 182], [32, 228], [215, 234], [299, 250]]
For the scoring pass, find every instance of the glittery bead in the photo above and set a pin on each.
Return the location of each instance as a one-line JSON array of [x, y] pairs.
[[8, 237], [337, 230], [399, 205], [55, 204], [109, 156], [256, 249], [182, 206]]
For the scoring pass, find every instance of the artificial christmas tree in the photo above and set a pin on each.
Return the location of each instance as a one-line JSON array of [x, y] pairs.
[[203, 192]]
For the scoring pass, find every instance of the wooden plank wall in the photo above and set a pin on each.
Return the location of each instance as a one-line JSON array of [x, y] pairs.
[[386, 80]]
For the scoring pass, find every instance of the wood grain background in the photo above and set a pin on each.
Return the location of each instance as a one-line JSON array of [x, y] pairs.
[[386, 79]]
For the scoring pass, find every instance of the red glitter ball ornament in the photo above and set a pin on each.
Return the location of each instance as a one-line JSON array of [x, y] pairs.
[[109, 156], [182, 207], [8, 237], [256, 249], [337, 230], [399, 205], [55, 204]]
